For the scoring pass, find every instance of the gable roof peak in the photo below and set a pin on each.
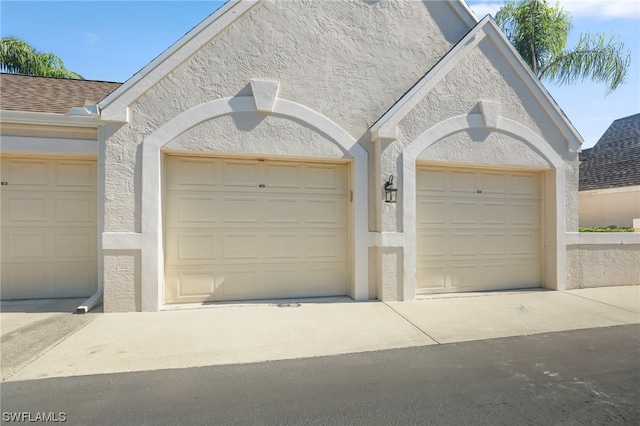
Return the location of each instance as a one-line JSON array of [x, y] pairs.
[[385, 127]]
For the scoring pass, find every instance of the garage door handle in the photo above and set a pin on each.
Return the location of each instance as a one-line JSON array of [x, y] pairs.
[[5, 183], [262, 185]]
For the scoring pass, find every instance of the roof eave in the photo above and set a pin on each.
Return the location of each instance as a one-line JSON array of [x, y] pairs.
[[48, 119]]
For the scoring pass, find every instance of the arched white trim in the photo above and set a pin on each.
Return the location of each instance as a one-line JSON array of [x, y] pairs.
[[447, 128], [152, 285]]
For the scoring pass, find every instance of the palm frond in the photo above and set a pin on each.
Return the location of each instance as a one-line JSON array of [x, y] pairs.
[[595, 57], [19, 57]]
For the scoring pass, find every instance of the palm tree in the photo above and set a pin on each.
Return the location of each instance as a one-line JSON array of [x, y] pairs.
[[19, 57], [539, 33]]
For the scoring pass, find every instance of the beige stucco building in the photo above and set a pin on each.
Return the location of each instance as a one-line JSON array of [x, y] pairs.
[[251, 161]]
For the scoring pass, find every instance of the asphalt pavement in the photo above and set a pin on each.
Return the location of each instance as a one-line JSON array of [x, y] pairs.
[[581, 377]]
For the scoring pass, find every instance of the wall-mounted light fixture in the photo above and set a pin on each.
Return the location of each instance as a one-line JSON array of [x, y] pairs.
[[390, 191]]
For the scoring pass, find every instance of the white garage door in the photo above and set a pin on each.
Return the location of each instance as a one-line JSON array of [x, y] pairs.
[[252, 229], [477, 229], [49, 246]]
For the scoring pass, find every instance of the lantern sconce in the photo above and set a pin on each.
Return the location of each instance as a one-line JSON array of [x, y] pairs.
[[390, 191]]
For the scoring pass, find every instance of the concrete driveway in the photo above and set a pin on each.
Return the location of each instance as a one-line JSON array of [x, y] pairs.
[[40, 343]]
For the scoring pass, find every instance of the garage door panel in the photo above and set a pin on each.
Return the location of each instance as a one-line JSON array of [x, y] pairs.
[[242, 209], [494, 244], [31, 208], [75, 279], [525, 214], [323, 246], [477, 229], [284, 210], [242, 283], [463, 244], [431, 276], [326, 177], [433, 245], [436, 212], [196, 247], [76, 208], [283, 175], [283, 246], [241, 174], [494, 213], [323, 279], [242, 246], [195, 209], [196, 283], [75, 175], [465, 275], [26, 245], [494, 183], [193, 174], [22, 281], [326, 211], [463, 212], [280, 225], [463, 181], [79, 244], [524, 244], [525, 185], [49, 280], [431, 181], [48, 228], [26, 172]]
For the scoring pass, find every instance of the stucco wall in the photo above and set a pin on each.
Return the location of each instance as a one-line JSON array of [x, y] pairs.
[[122, 270], [256, 133], [603, 265], [484, 74], [617, 206], [349, 60]]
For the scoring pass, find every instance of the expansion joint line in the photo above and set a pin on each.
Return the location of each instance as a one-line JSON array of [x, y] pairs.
[[411, 322]]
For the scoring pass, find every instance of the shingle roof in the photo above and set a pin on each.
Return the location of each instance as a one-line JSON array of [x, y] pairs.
[[615, 159], [46, 94]]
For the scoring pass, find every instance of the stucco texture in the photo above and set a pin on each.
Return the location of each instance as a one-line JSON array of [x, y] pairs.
[[122, 270], [603, 265], [483, 74], [348, 60], [256, 133]]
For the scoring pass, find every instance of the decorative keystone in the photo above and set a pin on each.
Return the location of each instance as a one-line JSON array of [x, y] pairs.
[[490, 113], [264, 94]]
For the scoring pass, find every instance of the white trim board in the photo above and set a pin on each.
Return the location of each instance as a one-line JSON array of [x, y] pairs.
[[36, 145]]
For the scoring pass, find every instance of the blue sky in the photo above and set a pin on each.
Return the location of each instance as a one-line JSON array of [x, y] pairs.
[[113, 40]]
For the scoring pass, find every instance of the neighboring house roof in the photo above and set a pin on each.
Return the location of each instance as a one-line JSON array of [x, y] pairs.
[[49, 95], [584, 154], [614, 161]]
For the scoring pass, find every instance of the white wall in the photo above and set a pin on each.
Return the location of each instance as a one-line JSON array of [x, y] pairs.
[[605, 207]]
